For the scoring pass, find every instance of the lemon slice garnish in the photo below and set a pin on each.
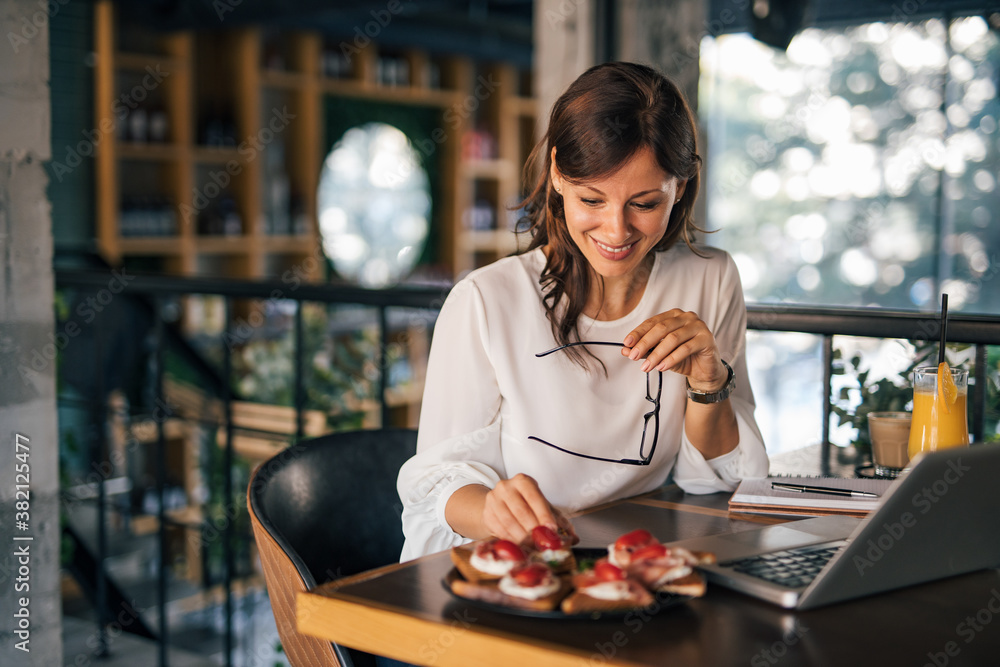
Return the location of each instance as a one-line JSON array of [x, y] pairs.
[[947, 391]]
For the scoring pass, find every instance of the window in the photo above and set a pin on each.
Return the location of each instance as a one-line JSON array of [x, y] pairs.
[[859, 167]]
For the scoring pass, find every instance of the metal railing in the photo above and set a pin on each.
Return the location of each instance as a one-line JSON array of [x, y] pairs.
[[826, 322], [978, 330]]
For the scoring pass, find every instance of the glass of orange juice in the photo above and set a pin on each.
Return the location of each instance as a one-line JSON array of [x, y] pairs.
[[939, 409]]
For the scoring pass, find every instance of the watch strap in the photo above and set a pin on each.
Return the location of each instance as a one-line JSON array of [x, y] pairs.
[[709, 397]]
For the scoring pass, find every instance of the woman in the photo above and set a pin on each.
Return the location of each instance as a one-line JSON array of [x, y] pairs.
[[509, 440]]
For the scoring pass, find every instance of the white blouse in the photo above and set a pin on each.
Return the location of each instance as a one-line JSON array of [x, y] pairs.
[[486, 392]]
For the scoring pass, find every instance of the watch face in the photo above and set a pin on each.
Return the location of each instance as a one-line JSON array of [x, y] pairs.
[[374, 205]]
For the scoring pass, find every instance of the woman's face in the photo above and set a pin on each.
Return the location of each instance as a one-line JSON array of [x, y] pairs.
[[616, 220]]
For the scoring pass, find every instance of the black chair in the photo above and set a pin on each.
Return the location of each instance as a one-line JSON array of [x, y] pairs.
[[323, 509]]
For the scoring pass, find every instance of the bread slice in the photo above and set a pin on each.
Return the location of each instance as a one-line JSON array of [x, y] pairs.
[[581, 603], [488, 591], [461, 556], [692, 585]]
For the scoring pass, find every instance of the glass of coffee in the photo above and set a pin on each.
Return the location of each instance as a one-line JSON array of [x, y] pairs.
[[890, 434]]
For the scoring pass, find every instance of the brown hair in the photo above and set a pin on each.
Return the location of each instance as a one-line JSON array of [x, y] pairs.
[[610, 113]]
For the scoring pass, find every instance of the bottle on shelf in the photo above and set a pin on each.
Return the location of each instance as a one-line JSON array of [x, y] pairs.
[[147, 216], [479, 216], [335, 64], [392, 71], [231, 222], [300, 218], [159, 127], [217, 129], [433, 75], [138, 125], [277, 187], [479, 144]]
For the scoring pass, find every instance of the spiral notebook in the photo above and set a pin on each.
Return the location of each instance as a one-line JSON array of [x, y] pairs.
[[755, 496]]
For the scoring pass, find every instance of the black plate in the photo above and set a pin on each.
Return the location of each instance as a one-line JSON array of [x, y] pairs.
[[663, 600]]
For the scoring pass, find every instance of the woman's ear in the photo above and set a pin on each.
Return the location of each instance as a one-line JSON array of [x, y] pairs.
[[681, 186], [554, 176]]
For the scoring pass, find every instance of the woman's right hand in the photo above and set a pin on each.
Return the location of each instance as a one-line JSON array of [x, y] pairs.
[[516, 505]]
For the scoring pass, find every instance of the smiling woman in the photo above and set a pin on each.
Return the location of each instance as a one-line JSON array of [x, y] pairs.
[[616, 187]]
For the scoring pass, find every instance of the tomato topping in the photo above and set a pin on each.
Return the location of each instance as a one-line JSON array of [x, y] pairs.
[[608, 572], [650, 551], [546, 538], [637, 538], [531, 574], [507, 550]]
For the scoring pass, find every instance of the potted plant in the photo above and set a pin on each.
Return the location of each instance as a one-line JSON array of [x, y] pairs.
[[858, 399]]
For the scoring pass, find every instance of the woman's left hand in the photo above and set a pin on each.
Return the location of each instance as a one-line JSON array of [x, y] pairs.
[[680, 341]]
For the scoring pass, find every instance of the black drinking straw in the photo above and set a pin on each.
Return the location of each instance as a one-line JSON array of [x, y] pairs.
[[944, 327]]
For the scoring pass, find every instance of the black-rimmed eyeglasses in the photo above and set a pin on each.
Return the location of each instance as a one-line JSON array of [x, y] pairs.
[[644, 458]]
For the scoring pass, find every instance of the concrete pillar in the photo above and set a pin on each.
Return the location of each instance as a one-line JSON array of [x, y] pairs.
[[27, 355], [667, 36], [564, 49]]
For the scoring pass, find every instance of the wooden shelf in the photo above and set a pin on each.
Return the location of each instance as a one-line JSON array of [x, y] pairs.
[[150, 245], [219, 77], [301, 243], [215, 154], [485, 240], [151, 152], [221, 245], [490, 169], [138, 62], [522, 106], [283, 80], [402, 94]]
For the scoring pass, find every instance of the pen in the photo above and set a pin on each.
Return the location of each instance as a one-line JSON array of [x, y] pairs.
[[801, 488]]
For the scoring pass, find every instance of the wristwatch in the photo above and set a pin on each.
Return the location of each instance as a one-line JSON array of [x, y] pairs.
[[714, 396]]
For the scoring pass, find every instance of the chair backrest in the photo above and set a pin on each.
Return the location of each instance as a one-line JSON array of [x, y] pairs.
[[323, 509]]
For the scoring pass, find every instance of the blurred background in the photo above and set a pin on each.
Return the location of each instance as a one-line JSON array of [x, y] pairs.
[[306, 179]]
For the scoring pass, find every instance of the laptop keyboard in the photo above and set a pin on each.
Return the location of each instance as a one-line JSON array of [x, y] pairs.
[[793, 568]]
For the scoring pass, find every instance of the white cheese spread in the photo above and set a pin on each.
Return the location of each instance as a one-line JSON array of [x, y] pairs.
[[510, 587], [492, 565], [608, 590], [553, 555]]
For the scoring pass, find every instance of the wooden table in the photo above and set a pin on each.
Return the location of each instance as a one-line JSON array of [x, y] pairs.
[[404, 612]]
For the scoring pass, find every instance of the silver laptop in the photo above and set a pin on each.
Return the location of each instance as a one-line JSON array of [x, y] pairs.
[[937, 520]]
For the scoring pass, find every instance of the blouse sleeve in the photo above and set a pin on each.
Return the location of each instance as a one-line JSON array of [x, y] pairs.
[[693, 472], [458, 441]]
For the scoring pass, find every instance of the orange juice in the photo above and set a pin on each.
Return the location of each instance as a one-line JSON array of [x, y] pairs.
[[938, 423]]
